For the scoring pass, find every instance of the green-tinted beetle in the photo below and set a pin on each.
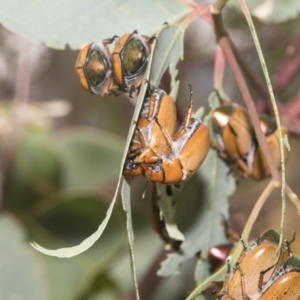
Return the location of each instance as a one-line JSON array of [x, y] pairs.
[[130, 59], [93, 68]]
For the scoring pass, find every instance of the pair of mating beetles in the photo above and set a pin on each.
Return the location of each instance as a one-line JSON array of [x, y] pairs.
[[158, 155], [260, 275], [104, 73], [237, 144]]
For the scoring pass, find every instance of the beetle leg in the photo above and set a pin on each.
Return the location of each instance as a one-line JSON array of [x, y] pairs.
[[243, 166], [166, 134], [132, 89], [188, 117], [150, 40], [215, 289], [242, 282], [261, 277], [115, 91], [227, 276], [109, 40], [288, 243], [215, 146]]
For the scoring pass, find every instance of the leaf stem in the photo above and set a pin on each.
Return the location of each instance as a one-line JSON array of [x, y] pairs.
[[275, 175]]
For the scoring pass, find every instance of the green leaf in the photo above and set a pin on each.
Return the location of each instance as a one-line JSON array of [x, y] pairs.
[[21, 272], [77, 22], [91, 157], [82, 209], [271, 10]]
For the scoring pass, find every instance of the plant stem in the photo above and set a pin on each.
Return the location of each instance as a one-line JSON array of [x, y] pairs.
[[256, 209], [226, 47], [150, 280], [276, 113], [219, 68]]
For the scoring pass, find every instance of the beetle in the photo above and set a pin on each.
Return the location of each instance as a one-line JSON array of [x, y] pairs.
[[130, 59], [254, 268], [234, 132], [285, 285], [260, 167], [154, 130], [94, 71], [189, 148]]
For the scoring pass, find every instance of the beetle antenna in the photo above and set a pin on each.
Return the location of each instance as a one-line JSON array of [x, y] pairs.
[[187, 120], [110, 40]]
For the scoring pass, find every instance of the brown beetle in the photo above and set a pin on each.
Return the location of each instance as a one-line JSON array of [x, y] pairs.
[[189, 148], [154, 130], [255, 268], [93, 68], [234, 134], [285, 285], [130, 59], [260, 167]]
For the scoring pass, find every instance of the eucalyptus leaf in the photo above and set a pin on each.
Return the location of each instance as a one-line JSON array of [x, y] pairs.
[[77, 22], [271, 10], [76, 213]]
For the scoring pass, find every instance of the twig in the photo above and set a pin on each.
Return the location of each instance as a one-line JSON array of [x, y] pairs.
[[150, 280], [226, 47]]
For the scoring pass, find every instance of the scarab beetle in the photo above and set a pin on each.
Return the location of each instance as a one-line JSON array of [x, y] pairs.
[[154, 130], [93, 68], [234, 134], [255, 268], [189, 147], [285, 284], [260, 167], [130, 59]]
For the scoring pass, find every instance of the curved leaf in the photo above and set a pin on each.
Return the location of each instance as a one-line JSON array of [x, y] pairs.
[[77, 22]]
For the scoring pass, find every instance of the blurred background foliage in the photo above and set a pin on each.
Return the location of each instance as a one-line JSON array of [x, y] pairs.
[[61, 149]]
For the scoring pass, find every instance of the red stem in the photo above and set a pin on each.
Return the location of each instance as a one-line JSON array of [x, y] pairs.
[[226, 47]]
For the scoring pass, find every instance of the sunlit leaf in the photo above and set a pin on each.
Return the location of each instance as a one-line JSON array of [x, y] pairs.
[[77, 22]]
